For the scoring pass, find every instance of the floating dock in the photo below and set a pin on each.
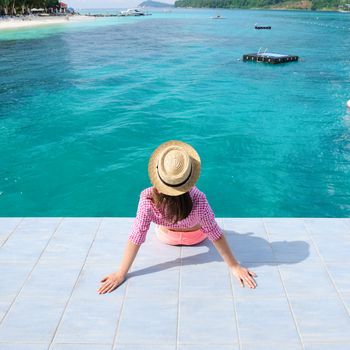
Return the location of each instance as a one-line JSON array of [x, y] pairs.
[[269, 57], [263, 27]]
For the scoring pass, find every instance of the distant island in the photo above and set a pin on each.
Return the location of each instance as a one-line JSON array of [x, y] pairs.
[[326, 5], [150, 3]]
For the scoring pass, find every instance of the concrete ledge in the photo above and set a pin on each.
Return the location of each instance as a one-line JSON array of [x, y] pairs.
[[175, 298]]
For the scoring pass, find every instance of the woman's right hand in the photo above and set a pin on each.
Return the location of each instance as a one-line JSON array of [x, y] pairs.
[[244, 276], [111, 282]]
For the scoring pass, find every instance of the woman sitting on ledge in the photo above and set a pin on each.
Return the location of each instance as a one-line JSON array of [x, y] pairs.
[[180, 210]]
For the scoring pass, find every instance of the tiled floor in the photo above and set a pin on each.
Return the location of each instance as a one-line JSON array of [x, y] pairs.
[[175, 298]]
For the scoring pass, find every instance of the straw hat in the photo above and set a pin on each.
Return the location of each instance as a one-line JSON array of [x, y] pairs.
[[174, 168]]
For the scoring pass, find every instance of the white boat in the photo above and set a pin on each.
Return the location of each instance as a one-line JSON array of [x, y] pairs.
[[132, 12]]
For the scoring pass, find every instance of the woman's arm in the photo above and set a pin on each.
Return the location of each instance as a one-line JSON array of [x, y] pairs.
[[113, 280], [242, 274], [136, 237], [216, 236], [225, 251], [130, 252]]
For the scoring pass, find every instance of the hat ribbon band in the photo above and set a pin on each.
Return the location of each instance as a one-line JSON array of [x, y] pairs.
[[177, 185]]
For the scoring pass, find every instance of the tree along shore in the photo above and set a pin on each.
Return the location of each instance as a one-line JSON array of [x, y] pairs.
[[14, 7], [331, 5]]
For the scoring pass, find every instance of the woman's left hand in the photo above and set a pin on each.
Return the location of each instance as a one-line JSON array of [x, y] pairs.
[[244, 276]]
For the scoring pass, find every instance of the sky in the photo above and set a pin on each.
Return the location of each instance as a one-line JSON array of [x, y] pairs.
[[80, 4]]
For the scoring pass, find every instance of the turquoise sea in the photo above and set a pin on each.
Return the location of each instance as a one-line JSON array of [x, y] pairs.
[[82, 107]]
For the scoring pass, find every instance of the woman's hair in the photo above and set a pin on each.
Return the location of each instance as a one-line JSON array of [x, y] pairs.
[[175, 208]]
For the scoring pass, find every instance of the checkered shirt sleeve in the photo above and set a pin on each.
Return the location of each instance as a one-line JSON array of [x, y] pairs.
[[207, 220], [142, 221]]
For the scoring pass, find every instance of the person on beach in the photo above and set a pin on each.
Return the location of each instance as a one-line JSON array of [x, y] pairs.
[[179, 209]]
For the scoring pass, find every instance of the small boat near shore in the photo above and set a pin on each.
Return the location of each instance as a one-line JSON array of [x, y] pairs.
[[133, 12], [101, 15]]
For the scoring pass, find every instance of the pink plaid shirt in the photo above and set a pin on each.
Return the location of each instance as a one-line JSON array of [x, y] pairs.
[[201, 214]]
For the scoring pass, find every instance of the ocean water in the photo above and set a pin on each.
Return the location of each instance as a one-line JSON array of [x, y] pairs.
[[82, 107]]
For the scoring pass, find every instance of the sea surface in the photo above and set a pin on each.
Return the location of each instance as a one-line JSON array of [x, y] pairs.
[[83, 106]]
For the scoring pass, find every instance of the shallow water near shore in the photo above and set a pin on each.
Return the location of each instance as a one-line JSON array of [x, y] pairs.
[[83, 106]]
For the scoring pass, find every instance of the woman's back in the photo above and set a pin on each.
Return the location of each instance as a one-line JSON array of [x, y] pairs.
[[147, 212], [159, 215]]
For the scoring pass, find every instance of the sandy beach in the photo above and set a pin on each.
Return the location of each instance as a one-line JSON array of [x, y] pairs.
[[34, 21]]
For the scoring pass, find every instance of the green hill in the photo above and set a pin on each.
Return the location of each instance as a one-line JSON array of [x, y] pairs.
[[150, 3], [281, 4]]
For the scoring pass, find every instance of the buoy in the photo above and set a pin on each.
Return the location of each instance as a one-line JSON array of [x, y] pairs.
[[348, 104]]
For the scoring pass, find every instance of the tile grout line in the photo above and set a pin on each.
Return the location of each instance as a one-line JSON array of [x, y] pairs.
[[235, 311], [245, 298], [284, 287], [115, 336], [31, 271], [342, 342], [178, 304], [45, 343], [327, 271], [11, 233], [76, 281], [233, 297]]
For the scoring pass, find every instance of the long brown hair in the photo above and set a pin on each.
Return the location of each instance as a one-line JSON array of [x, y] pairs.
[[175, 208]]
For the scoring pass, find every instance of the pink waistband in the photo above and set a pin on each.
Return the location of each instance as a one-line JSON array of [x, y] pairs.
[[180, 237]]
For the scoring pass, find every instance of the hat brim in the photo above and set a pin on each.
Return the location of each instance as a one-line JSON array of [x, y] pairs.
[[157, 182]]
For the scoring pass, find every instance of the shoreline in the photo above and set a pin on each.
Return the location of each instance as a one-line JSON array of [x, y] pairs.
[[27, 22]]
